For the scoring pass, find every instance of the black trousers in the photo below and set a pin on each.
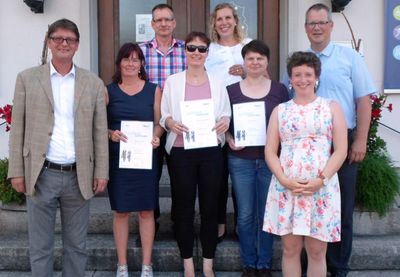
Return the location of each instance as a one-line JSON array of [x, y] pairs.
[[338, 253], [223, 197], [192, 170]]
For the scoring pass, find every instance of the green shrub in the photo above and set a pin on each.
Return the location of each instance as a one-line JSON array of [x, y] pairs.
[[7, 193], [378, 183]]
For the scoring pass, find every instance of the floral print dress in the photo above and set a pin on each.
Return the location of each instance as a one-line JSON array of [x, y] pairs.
[[306, 141]]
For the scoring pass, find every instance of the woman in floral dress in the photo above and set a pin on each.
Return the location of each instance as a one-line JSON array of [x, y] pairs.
[[303, 204]]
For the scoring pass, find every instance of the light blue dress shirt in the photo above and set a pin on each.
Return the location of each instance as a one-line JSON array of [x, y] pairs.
[[344, 78]]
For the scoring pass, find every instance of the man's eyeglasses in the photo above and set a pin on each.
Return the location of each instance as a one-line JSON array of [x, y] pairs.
[[319, 23], [59, 40], [192, 48], [160, 20]]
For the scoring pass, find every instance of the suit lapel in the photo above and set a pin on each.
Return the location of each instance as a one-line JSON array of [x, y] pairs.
[[45, 82], [79, 87]]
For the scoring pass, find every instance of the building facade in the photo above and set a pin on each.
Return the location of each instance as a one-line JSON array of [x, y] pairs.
[[105, 24]]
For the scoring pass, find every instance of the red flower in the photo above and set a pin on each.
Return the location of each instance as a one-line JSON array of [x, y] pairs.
[[6, 114], [376, 113], [390, 107]]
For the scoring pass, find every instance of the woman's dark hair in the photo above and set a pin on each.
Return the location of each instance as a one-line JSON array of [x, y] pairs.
[[63, 24], [124, 52], [304, 58], [256, 46], [197, 35]]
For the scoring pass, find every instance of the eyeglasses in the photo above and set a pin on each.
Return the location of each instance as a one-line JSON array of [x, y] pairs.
[[160, 20], [192, 48], [59, 40], [319, 23]]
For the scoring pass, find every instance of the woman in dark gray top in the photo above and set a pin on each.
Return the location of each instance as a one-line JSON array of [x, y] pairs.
[[249, 172]]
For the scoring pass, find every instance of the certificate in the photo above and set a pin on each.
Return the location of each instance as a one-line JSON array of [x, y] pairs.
[[198, 117], [137, 152], [249, 122], [219, 62]]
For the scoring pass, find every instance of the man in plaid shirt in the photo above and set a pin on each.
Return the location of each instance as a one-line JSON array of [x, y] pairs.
[[164, 56]]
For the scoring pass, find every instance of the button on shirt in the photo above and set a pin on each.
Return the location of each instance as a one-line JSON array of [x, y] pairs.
[[62, 146], [159, 65], [344, 78]]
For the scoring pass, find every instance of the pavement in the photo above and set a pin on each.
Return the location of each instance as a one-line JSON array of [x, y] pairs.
[[218, 274]]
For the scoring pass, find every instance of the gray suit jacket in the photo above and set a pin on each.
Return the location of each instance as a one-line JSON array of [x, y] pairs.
[[33, 121]]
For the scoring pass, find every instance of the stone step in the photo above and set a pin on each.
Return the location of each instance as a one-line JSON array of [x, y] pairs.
[[12, 221], [369, 253], [365, 273]]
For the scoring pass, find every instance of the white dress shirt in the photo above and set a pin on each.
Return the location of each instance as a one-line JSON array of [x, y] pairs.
[[62, 146]]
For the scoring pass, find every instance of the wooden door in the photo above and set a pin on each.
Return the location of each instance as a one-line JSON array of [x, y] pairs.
[[190, 15]]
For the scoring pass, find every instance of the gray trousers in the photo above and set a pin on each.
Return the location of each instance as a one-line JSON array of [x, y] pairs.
[[54, 187]]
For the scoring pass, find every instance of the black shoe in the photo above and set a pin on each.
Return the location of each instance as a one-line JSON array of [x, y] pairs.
[[264, 272], [249, 272], [221, 238]]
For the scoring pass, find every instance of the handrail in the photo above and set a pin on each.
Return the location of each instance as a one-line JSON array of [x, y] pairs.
[[390, 128]]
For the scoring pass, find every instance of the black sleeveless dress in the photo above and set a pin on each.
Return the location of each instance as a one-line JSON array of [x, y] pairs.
[[131, 190]]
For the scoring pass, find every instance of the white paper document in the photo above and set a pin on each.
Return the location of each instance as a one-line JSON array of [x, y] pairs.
[[249, 122], [198, 116], [137, 152], [144, 31], [219, 62]]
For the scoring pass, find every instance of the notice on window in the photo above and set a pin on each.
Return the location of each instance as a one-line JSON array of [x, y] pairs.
[[144, 31]]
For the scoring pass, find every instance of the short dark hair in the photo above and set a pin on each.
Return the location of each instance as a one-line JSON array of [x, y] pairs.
[[63, 24], [256, 46], [161, 7], [200, 35], [318, 7], [304, 58], [124, 52]]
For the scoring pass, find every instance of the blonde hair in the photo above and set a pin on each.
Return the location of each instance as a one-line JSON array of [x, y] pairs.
[[237, 32]]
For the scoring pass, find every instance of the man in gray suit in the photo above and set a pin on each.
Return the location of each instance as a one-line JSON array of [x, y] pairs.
[[58, 150]]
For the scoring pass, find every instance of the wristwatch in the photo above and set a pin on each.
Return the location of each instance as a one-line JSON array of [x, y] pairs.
[[323, 178]]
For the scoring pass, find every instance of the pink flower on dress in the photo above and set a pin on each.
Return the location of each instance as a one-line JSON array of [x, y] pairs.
[[302, 204], [282, 219]]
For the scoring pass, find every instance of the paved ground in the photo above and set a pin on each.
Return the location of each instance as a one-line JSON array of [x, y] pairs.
[[218, 274]]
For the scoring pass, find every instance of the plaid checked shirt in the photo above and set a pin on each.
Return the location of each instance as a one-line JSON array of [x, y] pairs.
[[159, 66]]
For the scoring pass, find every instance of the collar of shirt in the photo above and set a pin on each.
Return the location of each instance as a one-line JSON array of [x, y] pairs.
[[328, 50], [175, 43], [54, 71]]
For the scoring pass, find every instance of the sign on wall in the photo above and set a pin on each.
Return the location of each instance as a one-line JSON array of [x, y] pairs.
[[392, 53]]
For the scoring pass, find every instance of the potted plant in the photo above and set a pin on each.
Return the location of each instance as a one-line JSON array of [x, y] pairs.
[[378, 182], [7, 194]]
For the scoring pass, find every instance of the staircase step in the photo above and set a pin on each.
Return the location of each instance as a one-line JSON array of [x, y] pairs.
[[365, 223], [369, 253]]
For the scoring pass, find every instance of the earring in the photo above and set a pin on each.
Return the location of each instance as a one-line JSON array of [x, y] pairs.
[[316, 84], [290, 86]]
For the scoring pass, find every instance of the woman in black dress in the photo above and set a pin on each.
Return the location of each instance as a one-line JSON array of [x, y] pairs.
[[131, 97]]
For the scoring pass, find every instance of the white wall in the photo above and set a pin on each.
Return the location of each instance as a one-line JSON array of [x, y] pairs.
[[22, 33], [367, 21]]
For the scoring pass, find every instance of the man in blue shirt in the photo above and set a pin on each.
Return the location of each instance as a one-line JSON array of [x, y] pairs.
[[344, 78]]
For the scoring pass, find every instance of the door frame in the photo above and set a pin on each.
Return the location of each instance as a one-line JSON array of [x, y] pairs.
[[108, 29]]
